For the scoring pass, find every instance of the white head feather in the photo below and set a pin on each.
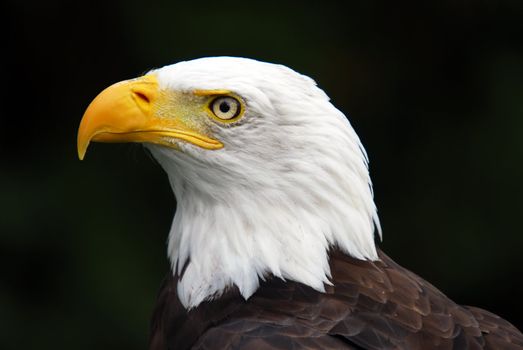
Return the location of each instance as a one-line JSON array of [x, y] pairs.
[[291, 182]]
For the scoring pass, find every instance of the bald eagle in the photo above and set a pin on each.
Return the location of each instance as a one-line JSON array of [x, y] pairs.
[[272, 245]]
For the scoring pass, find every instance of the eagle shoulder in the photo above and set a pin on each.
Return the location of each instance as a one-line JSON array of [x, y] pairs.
[[370, 305]]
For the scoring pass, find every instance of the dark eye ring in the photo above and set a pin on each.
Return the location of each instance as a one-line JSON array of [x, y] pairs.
[[225, 107]]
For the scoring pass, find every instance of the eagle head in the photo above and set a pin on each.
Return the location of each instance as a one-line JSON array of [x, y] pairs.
[[268, 175]]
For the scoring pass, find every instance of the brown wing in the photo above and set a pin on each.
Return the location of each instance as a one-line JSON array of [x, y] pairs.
[[371, 305], [395, 308], [497, 332]]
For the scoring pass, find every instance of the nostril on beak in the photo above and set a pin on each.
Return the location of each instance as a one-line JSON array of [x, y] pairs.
[[143, 99], [141, 96]]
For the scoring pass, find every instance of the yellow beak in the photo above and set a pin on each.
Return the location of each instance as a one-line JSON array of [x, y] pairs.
[[126, 112]]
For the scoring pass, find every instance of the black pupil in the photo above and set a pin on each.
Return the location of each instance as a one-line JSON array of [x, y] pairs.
[[225, 107]]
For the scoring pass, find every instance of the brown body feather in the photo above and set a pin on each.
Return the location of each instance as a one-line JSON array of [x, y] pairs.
[[371, 305]]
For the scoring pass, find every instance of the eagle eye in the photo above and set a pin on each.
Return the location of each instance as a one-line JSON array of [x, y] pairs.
[[226, 107]]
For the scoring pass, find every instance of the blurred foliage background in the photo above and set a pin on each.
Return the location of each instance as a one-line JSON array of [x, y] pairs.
[[435, 91]]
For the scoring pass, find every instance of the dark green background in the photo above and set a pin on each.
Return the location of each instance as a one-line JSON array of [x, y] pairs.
[[434, 91]]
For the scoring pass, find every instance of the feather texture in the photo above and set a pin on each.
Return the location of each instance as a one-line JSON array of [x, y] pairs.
[[291, 181], [370, 305]]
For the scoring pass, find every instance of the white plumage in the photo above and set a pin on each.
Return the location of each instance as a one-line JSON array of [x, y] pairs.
[[290, 182]]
